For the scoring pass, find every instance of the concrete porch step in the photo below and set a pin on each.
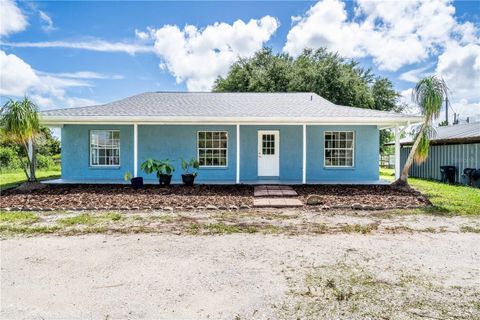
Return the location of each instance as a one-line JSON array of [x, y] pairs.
[[276, 203], [274, 191]]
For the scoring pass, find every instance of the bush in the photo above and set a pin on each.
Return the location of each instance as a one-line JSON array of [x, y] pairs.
[[44, 162], [9, 158]]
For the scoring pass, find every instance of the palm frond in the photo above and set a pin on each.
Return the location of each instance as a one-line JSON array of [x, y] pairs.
[[429, 94], [421, 153], [19, 119]]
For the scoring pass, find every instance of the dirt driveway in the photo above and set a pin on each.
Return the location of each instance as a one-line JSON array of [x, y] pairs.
[[242, 276]]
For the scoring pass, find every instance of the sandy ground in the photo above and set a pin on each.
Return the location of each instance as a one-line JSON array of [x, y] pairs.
[[241, 276]]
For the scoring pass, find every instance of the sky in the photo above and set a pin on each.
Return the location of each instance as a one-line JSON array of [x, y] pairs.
[[70, 54]]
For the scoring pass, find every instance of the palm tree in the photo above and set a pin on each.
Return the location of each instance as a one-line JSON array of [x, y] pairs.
[[428, 94], [20, 123]]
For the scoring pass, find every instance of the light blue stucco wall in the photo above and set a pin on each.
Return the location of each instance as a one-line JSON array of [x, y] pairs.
[[366, 154], [76, 151], [290, 152], [175, 141]]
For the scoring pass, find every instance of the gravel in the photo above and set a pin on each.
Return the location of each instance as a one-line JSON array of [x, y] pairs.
[[244, 276]]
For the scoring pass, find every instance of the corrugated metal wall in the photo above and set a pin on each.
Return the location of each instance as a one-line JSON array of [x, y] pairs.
[[459, 155]]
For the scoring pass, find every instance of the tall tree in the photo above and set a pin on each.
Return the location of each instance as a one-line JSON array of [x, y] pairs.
[[429, 94], [20, 123], [339, 80]]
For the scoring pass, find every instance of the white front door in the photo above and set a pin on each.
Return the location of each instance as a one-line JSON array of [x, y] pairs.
[[268, 153]]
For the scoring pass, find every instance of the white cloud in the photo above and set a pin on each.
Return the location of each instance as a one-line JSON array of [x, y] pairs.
[[142, 35], [393, 33], [47, 21], [11, 18], [18, 78], [199, 56], [406, 99], [467, 109], [87, 75], [414, 75], [93, 45], [460, 67]]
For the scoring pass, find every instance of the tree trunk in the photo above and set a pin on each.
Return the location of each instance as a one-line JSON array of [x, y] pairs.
[[29, 148], [33, 177], [403, 180]]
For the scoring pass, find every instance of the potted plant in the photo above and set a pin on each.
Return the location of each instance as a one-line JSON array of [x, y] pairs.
[[165, 171], [189, 171], [137, 182], [162, 168]]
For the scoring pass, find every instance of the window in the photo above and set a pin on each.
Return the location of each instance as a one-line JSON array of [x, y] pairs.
[[104, 148], [339, 147], [268, 144], [212, 148]]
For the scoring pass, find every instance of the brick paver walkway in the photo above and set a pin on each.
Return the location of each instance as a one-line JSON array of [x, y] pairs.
[[276, 197]]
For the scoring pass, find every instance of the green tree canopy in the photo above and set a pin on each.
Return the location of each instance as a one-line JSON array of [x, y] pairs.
[[331, 76], [339, 80]]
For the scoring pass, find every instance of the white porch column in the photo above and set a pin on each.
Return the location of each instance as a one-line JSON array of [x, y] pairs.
[[397, 152], [237, 180], [135, 149], [304, 162]]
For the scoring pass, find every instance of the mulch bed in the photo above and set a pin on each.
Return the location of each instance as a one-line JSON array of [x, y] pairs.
[[363, 196], [106, 197], [74, 197]]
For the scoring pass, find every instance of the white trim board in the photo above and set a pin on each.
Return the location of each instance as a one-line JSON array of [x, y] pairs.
[[387, 121]]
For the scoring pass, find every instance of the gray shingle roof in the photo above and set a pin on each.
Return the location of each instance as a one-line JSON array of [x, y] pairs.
[[234, 105]]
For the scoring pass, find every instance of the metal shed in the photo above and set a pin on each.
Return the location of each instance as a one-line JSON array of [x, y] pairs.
[[457, 145]]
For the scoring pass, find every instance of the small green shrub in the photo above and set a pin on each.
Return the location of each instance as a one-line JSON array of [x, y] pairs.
[[44, 162], [9, 158]]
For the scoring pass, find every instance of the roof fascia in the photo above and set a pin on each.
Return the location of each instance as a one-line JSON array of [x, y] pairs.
[[383, 122]]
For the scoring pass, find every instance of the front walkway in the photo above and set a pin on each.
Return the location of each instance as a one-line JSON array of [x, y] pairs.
[[275, 197]]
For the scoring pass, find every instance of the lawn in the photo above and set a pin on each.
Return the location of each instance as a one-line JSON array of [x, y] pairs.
[[13, 178], [449, 199]]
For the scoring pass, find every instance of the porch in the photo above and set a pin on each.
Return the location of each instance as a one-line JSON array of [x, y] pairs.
[[218, 182]]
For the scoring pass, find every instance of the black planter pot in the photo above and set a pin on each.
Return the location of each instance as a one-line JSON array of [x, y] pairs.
[[137, 182], [165, 179], [188, 179]]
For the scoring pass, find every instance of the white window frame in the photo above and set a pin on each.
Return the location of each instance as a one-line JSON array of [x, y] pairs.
[[325, 149], [90, 149], [198, 149]]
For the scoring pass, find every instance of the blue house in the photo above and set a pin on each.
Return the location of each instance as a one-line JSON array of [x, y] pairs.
[[236, 137]]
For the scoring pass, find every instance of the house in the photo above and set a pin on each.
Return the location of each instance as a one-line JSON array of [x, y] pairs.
[[457, 145], [236, 137]]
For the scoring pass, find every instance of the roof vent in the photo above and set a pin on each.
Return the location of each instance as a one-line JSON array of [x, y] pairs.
[[311, 98]]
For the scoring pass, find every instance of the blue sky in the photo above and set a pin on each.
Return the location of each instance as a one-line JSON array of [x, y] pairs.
[[66, 54]]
